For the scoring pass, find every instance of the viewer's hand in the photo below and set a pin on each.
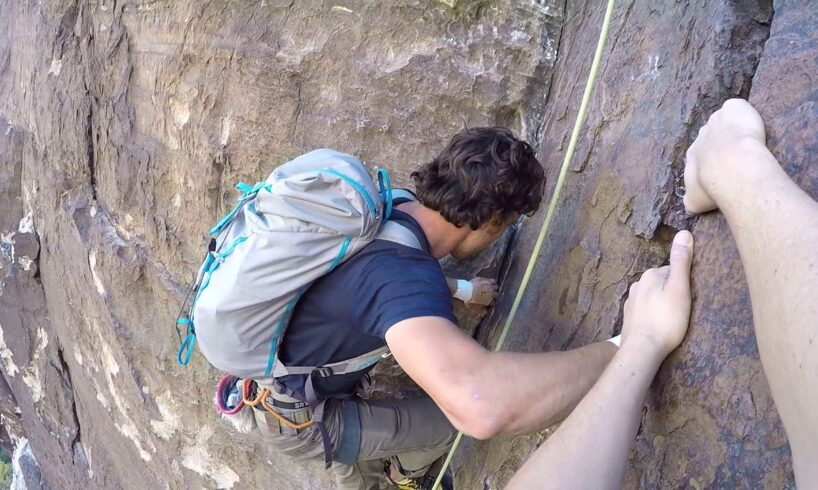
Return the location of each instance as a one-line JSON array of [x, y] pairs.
[[718, 152], [658, 307], [485, 290]]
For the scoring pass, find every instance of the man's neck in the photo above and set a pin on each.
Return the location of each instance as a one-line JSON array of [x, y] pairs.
[[443, 236]]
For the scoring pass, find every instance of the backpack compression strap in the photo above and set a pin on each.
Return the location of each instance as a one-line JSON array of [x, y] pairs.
[[343, 367]]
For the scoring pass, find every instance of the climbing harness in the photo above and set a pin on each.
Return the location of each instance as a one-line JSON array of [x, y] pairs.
[[234, 394], [262, 398], [552, 205]]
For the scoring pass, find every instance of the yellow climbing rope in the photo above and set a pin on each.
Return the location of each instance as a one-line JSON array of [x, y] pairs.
[[552, 205]]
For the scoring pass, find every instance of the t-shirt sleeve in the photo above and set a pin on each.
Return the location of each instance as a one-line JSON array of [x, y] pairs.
[[398, 287]]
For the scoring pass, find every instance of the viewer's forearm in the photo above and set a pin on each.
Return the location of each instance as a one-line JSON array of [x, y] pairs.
[[591, 447], [755, 194], [769, 213]]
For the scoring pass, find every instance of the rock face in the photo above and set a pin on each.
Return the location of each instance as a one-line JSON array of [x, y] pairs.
[[124, 125], [27, 474], [709, 421]]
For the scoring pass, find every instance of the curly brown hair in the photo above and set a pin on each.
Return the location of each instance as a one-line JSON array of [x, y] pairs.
[[483, 175]]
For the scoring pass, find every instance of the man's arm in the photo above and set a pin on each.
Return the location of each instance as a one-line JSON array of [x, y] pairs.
[[590, 449], [486, 393]]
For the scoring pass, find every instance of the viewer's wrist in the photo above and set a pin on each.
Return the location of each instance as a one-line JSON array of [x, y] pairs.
[[645, 347], [745, 165]]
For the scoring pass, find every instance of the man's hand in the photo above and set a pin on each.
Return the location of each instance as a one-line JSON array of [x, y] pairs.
[[719, 152], [658, 307], [483, 295]]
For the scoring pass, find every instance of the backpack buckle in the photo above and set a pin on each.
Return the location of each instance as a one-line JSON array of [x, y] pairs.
[[323, 372]]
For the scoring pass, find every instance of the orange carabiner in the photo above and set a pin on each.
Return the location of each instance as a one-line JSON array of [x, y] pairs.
[[283, 419], [261, 397], [248, 389]]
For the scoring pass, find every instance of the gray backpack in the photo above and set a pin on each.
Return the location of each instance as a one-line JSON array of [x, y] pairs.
[[308, 217]]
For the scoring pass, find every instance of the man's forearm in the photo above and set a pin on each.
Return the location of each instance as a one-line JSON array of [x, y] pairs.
[[534, 391], [591, 447], [486, 393]]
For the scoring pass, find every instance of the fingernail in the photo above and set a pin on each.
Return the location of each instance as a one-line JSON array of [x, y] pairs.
[[683, 238]]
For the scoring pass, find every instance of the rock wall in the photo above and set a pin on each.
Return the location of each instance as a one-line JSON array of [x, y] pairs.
[[709, 420], [26, 473], [123, 126]]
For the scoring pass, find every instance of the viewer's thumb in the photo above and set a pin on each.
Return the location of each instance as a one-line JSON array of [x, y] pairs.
[[681, 256]]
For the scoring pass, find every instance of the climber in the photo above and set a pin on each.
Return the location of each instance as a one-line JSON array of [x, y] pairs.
[[480, 184], [775, 225]]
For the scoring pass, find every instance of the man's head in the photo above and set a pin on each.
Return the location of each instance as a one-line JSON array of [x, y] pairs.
[[483, 180]]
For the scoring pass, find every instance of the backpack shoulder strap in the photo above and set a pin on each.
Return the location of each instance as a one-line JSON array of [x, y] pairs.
[[400, 195], [392, 230], [397, 233]]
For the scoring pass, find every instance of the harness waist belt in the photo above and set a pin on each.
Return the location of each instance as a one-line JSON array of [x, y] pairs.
[[281, 400], [286, 402], [294, 410], [266, 421]]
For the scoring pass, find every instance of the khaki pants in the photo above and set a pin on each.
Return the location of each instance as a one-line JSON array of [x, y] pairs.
[[412, 434]]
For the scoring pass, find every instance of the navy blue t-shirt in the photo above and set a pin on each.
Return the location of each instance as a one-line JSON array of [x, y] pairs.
[[347, 312]]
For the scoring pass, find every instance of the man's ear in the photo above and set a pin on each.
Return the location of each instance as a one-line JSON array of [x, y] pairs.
[[499, 225]]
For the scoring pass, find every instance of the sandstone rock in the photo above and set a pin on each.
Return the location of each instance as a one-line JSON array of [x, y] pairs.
[[26, 471], [123, 127], [128, 124], [709, 421], [11, 428]]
